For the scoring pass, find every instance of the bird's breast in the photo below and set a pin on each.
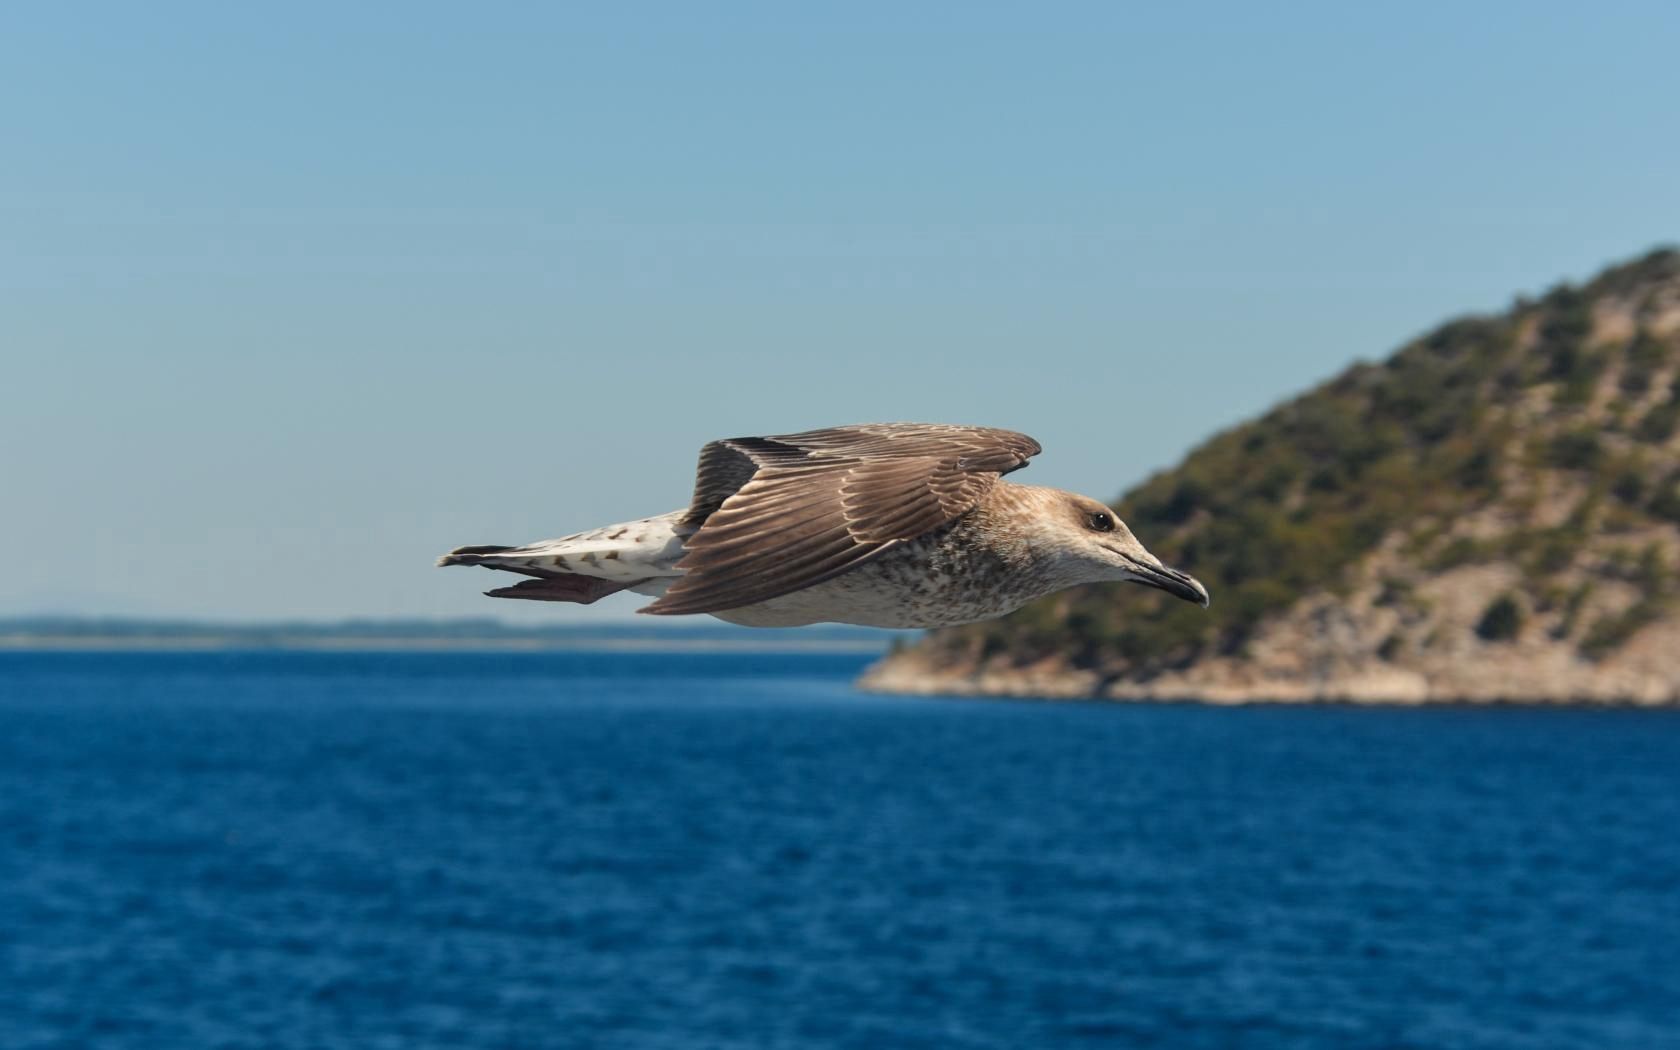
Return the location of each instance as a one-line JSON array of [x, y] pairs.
[[947, 578]]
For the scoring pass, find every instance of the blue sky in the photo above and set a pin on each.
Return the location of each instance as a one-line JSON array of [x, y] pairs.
[[293, 298]]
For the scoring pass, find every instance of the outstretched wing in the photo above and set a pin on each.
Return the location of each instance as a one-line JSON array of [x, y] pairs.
[[779, 514]]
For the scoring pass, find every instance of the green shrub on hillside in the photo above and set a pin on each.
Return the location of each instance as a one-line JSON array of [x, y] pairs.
[[1577, 449], [1659, 423], [1611, 632], [1645, 355], [1501, 620], [1665, 501], [1630, 483]]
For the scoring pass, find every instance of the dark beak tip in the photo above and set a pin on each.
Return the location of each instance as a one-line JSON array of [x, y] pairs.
[[1183, 586], [1176, 583]]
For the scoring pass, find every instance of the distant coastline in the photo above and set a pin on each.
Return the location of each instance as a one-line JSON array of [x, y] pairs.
[[90, 634]]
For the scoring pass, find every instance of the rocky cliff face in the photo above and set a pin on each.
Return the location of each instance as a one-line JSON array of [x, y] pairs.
[[1492, 514]]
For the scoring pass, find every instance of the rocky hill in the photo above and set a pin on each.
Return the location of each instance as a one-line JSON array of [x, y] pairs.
[[1493, 513]]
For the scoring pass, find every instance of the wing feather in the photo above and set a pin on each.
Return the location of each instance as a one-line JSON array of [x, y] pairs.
[[778, 514]]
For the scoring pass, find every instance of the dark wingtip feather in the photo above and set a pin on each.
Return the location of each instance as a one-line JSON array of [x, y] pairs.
[[582, 590]]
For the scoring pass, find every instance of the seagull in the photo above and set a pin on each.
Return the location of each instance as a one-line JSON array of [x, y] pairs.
[[904, 525]]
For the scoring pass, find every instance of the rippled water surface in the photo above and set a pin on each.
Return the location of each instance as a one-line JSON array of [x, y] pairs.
[[712, 851]]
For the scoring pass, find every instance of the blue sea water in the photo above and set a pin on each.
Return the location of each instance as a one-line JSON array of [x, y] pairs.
[[308, 850]]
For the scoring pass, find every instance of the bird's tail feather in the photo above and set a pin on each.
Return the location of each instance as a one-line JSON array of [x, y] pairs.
[[472, 555]]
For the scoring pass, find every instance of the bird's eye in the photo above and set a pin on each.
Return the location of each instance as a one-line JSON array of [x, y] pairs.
[[1102, 521]]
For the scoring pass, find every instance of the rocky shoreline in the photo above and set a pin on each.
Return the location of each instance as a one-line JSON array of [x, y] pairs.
[[1370, 686]]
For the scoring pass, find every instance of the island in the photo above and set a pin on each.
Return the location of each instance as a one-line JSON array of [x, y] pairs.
[[1491, 514]]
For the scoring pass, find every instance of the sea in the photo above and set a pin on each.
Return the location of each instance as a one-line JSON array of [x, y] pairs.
[[677, 851]]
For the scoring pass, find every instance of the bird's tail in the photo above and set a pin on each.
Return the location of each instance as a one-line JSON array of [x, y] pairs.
[[586, 566]]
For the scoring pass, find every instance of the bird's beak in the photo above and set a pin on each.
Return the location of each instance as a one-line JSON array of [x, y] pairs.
[[1178, 584]]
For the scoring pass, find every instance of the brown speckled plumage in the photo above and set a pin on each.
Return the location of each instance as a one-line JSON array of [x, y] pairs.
[[987, 563]]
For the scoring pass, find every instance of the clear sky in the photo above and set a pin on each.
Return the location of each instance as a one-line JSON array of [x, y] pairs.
[[293, 297]]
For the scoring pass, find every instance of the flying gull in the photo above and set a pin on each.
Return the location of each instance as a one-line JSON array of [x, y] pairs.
[[879, 524]]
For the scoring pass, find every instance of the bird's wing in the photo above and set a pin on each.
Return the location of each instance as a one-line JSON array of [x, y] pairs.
[[779, 514]]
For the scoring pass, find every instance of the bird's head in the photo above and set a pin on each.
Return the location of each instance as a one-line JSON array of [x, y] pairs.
[[1098, 546]]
